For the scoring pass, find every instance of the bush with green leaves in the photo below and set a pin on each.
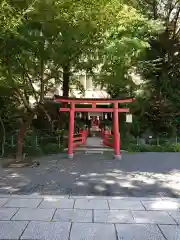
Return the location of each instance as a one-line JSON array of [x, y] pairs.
[[138, 148], [29, 139], [51, 148], [9, 151], [176, 147], [32, 151], [153, 148]]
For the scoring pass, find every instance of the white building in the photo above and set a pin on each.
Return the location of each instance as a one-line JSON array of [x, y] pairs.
[[90, 90]]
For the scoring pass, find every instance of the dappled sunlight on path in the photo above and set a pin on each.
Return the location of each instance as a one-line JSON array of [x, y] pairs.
[[137, 175]]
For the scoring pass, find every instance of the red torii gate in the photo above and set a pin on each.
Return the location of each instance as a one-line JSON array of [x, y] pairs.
[[72, 109]]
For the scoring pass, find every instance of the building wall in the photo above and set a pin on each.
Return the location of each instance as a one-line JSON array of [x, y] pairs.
[[90, 90]]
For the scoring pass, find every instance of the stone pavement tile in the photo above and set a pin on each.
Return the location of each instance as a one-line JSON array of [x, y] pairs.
[[117, 198], [148, 198], [5, 195], [7, 213], [11, 229], [73, 215], [161, 205], [35, 196], [23, 203], [57, 203], [47, 231], [171, 232], [95, 197], [143, 198], [55, 196], [91, 204], [171, 199], [35, 214], [3, 201], [92, 231], [113, 216], [139, 231], [154, 217], [175, 215], [125, 205]]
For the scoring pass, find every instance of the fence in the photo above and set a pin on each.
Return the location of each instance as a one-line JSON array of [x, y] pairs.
[[158, 141], [50, 143], [45, 141], [155, 140], [42, 141]]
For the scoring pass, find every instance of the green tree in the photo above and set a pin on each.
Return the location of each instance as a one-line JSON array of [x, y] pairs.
[[161, 67], [125, 43], [11, 18], [51, 41]]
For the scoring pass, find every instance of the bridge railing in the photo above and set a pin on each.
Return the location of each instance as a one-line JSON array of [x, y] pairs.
[[108, 138], [80, 138]]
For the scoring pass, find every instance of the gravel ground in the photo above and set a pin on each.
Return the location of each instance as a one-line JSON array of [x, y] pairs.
[[136, 175]]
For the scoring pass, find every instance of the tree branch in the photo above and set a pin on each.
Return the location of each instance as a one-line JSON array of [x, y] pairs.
[[29, 80], [23, 98], [175, 22]]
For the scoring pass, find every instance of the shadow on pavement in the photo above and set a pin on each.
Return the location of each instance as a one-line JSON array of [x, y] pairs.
[[136, 175]]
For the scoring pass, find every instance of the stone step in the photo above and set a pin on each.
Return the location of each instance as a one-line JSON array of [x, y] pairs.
[[93, 146], [93, 152], [96, 149]]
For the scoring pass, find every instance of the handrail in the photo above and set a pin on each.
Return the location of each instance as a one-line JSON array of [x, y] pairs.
[[107, 138], [77, 134], [81, 139], [77, 138]]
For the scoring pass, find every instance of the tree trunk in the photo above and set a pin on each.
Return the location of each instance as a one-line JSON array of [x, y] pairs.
[[3, 137], [20, 143], [42, 81], [66, 81], [19, 153], [154, 5]]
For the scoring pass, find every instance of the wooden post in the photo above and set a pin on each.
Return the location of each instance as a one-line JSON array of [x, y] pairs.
[[59, 141], [71, 131], [117, 154]]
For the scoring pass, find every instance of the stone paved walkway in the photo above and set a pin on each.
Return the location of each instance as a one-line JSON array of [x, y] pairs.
[[94, 142], [88, 218]]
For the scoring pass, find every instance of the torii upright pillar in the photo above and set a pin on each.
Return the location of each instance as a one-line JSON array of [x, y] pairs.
[[117, 154], [71, 131]]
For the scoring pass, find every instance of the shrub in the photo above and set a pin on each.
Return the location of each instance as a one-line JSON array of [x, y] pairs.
[[158, 148], [176, 147], [153, 148], [45, 139], [29, 139], [138, 148], [9, 151], [32, 151], [51, 148]]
